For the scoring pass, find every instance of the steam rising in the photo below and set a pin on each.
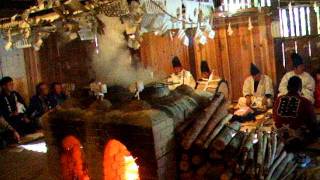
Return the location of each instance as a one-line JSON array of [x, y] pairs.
[[113, 62]]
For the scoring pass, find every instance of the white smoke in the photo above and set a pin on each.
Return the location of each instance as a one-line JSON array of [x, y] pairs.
[[113, 62]]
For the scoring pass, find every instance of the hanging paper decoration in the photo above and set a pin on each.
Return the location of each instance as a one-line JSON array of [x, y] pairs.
[[250, 27], [211, 33], [230, 31]]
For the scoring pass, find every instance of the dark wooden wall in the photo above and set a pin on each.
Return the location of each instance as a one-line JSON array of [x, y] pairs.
[[228, 56], [68, 63]]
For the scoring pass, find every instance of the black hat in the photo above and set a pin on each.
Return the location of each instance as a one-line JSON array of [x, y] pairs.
[[254, 70], [205, 67], [176, 62], [5, 80], [296, 59]]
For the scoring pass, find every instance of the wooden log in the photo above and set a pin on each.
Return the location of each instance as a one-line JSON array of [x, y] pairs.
[[273, 146], [227, 175], [184, 125], [217, 130], [203, 170], [197, 159], [184, 166], [226, 135], [235, 144], [185, 157], [215, 171], [186, 175], [200, 123], [291, 167], [212, 123], [275, 164], [249, 142], [215, 155], [279, 170]]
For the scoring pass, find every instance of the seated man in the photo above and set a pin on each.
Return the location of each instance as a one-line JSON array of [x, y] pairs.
[[12, 107], [180, 76], [257, 90], [39, 103], [308, 83], [208, 81], [57, 96], [294, 116]]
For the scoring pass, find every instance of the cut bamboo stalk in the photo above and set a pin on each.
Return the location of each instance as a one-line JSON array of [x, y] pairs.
[[279, 170], [275, 164]]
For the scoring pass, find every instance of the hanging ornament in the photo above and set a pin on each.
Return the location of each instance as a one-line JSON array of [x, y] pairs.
[[203, 39], [210, 31], [186, 41], [230, 31], [198, 33], [250, 27]]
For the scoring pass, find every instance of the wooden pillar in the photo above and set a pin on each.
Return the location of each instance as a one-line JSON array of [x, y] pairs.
[[31, 58]]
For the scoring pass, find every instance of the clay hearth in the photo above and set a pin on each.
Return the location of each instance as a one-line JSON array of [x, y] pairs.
[[81, 137]]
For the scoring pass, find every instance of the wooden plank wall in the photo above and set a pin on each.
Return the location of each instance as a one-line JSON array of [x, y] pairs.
[[311, 56], [228, 56], [157, 52], [69, 63]]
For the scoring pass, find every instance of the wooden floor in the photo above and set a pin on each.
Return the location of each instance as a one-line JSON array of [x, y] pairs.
[[24, 165]]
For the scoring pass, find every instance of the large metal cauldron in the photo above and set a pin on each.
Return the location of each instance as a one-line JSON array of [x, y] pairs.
[[155, 90]]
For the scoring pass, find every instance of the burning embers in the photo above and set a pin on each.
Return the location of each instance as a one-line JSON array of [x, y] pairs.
[[118, 163], [72, 163]]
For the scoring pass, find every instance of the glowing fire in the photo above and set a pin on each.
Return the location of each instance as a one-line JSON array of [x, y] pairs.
[[131, 168], [72, 160], [118, 163]]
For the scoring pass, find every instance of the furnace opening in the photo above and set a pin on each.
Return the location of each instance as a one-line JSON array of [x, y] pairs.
[[72, 160], [118, 162]]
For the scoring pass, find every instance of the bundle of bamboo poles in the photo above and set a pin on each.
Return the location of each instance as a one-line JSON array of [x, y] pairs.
[[212, 147]]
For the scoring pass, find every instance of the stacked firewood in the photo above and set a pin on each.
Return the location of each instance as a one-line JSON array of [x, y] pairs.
[[212, 147]]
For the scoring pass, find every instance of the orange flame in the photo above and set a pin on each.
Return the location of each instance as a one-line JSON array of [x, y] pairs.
[[118, 162]]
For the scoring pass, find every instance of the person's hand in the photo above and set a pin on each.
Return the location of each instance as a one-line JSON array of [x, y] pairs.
[[248, 101], [16, 136]]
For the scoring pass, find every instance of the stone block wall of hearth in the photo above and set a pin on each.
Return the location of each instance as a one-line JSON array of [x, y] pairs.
[[154, 146]]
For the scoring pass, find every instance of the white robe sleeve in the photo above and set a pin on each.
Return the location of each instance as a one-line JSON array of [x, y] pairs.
[[247, 87], [189, 80], [269, 86], [308, 89], [283, 85]]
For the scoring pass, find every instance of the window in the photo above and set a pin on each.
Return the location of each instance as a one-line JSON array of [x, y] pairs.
[[295, 21]]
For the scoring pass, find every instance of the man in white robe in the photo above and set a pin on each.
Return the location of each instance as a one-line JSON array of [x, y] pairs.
[[308, 83], [257, 90], [208, 82], [180, 76]]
